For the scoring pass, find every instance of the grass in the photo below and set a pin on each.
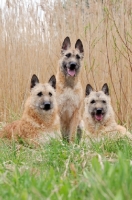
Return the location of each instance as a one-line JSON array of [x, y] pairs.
[[31, 44], [94, 170]]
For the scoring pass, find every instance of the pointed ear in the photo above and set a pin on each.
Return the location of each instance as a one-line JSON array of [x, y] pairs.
[[79, 46], [34, 81], [66, 44], [105, 89], [52, 81], [89, 89]]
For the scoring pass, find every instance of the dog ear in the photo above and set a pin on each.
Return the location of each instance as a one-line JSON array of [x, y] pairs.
[[89, 89], [66, 44], [52, 81], [34, 81], [105, 89], [79, 46]]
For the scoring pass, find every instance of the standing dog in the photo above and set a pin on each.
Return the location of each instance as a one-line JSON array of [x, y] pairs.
[[99, 115], [40, 119], [69, 88]]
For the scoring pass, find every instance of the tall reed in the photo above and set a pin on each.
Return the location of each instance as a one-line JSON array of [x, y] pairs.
[[31, 37]]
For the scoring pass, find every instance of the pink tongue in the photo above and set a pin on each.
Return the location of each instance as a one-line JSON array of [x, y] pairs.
[[71, 72], [98, 117]]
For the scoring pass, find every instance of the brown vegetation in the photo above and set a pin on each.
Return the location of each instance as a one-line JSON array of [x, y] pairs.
[[30, 43]]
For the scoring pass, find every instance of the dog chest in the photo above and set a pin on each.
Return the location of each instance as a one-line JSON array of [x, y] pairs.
[[68, 101]]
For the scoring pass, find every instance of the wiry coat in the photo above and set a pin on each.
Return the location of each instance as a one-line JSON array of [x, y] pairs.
[[107, 123], [69, 89], [36, 125]]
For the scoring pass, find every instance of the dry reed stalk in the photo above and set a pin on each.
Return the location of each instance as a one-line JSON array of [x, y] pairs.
[[31, 44]]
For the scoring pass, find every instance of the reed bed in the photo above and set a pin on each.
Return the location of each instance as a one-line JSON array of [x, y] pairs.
[[31, 36]]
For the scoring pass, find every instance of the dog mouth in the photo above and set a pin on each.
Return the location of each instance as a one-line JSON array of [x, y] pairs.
[[98, 117], [71, 72]]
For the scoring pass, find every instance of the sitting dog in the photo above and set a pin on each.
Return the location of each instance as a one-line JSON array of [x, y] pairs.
[[40, 120], [69, 89], [99, 117]]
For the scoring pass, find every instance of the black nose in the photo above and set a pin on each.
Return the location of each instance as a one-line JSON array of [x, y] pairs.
[[99, 111], [47, 106], [72, 65]]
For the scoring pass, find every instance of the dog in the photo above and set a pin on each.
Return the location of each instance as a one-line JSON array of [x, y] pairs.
[[99, 117], [69, 89], [40, 120]]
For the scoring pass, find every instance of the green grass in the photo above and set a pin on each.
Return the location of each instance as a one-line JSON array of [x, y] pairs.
[[95, 170]]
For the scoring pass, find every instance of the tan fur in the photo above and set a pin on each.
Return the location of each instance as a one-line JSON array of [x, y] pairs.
[[36, 125], [108, 125], [69, 96], [69, 102]]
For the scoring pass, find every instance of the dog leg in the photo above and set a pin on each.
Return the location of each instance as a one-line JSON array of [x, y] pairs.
[[74, 125], [80, 130]]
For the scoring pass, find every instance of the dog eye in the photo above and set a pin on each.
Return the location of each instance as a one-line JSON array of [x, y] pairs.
[[68, 55], [93, 101], [40, 94], [103, 101], [50, 94], [77, 56]]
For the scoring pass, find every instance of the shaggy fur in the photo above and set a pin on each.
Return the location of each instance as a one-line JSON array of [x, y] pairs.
[[99, 117], [40, 120], [69, 88]]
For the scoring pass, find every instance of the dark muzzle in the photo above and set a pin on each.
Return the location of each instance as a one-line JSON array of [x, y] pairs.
[[47, 106]]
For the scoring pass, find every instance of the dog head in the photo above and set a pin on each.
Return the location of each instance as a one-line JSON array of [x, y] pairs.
[[43, 95], [97, 104], [70, 59]]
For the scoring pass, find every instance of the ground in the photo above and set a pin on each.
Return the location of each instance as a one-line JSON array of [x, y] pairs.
[[95, 170]]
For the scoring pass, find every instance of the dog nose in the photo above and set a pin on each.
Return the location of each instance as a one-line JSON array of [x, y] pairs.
[[99, 111], [72, 65], [47, 106]]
